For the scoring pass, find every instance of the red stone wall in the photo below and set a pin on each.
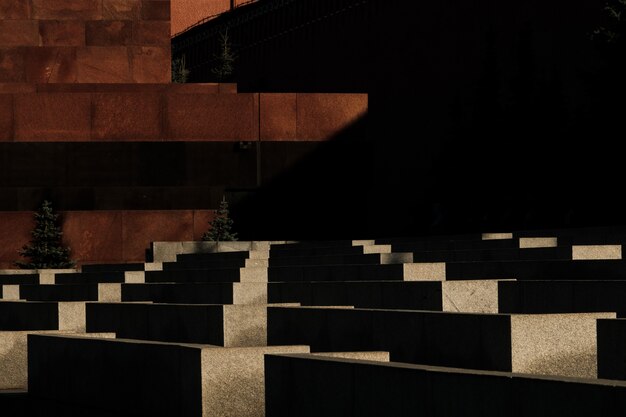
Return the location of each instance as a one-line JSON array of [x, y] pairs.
[[174, 112], [106, 236], [187, 12], [85, 41]]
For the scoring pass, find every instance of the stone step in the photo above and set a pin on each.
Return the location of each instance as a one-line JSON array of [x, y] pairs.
[[316, 251], [132, 377], [215, 264], [221, 256], [563, 344], [305, 385], [220, 325], [113, 267]]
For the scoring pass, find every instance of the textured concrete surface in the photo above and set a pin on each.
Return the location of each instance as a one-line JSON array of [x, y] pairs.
[[233, 380], [153, 266], [396, 258], [428, 271], [555, 344], [257, 274], [111, 293], [538, 242], [363, 242], [377, 249], [497, 236], [167, 251], [245, 325], [364, 356], [10, 292], [480, 296], [249, 293], [582, 252], [134, 277], [72, 316], [14, 358]]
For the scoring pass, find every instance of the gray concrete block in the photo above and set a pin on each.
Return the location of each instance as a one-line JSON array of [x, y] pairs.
[[561, 345], [133, 377], [479, 296], [111, 293], [14, 358], [538, 242], [497, 236], [584, 252], [308, 385], [435, 271]]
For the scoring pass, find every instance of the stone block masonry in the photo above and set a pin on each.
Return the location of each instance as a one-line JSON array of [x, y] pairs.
[[87, 41]]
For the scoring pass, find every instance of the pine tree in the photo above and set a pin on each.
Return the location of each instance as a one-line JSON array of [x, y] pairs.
[[45, 249], [225, 59], [221, 226]]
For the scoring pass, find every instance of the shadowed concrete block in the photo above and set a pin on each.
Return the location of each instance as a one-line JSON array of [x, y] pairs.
[[560, 344], [159, 378], [538, 242], [612, 349], [14, 356], [220, 325], [134, 277], [497, 236], [435, 271], [308, 385], [111, 293], [10, 292], [377, 249], [249, 293], [583, 252], [167, 251], [556, 344], [479, 296], [396, 258]]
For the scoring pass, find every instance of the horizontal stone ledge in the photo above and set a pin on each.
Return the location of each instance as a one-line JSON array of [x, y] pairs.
[[300, 384], [27, 315]]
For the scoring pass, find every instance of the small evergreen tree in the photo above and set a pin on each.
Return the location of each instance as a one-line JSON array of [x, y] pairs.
[[221, 226], [45, 249], [180, 73], [225, 59]]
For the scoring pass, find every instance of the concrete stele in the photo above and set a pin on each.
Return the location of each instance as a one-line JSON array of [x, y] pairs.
[[134, 277], [497, 236], [538, 242], [249, 293], [427, 271], [245, 325], [396, 258], [14, 356], [472, 296], [110, 293], [374, 356], [10, 292], [599, 252], [377, 249], [363, 242], [233, 380], [555, 344], [72, 316], [257, 274]]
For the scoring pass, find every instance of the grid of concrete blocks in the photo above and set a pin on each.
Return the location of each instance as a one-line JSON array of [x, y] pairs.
[[468, 325]]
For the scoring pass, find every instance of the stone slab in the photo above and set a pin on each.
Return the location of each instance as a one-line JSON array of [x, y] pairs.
[[220, 325], [562, 345], [23, 315], [197, 293], [158, 378], [318, 386], [585, 252], [538, 242], [14, 358]]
